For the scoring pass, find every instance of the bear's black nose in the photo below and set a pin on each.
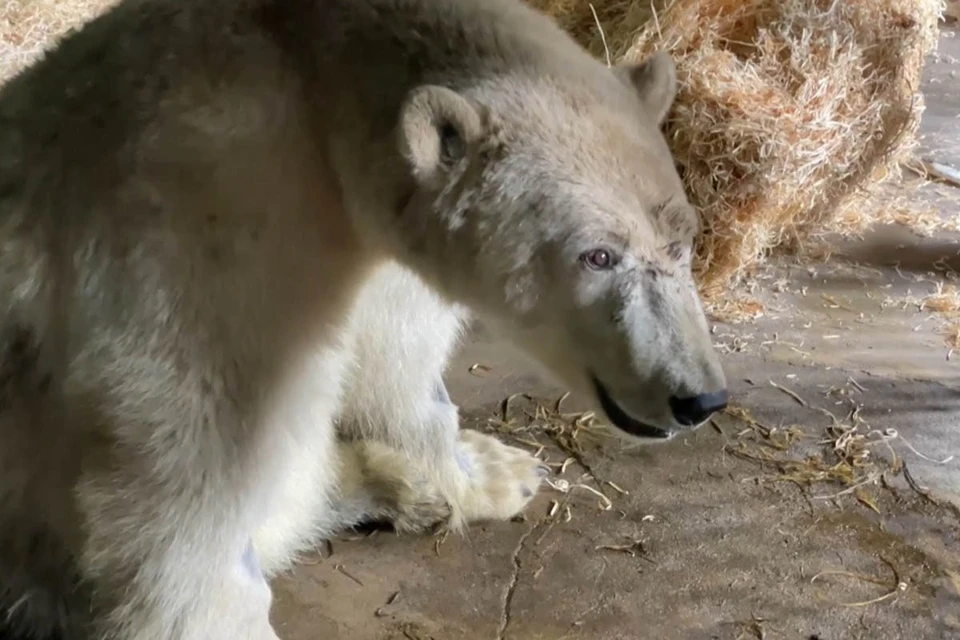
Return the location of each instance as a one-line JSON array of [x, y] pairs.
[[696, 409]]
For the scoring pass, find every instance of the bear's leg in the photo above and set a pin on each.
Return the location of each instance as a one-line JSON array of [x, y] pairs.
[[166, 532], [329, 487], [326, 483], [402, 336], [327, 491]]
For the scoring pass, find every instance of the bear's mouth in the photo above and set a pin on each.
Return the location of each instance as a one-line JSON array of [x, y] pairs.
[[621, 419]]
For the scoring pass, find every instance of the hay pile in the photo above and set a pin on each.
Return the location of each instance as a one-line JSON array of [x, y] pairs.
[[788, 110]]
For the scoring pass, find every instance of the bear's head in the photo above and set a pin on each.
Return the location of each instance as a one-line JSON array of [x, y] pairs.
[[556, 213]]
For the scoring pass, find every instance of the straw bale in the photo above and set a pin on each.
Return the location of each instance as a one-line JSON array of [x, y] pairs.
[[788, 111]]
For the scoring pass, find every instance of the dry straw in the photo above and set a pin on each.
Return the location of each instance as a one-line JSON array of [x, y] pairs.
[[787, 112]]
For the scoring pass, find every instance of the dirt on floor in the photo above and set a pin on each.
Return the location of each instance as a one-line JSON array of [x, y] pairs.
[[823, 505]]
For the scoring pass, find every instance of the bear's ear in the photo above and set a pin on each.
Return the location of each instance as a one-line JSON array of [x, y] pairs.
[[655, 80], [437, 128]]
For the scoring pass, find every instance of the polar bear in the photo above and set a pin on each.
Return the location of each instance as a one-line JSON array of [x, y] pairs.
[[239, 240]]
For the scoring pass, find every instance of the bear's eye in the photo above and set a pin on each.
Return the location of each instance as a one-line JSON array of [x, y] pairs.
[[598, 259]]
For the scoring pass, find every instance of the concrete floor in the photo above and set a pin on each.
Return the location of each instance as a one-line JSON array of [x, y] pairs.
[[707, 544]]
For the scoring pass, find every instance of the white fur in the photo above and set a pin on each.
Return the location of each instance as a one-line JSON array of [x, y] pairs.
[[210, 354], [400, 337]]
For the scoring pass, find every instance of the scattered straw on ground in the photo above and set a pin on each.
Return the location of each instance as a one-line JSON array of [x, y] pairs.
[[951, 334], [944, 301], [787, 109], [895, 585], [898, 204], [848, 458], [526, 419], [736, 309]]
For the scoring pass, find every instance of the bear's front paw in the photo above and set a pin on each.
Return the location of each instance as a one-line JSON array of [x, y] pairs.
[[400, 492], [499, 480]]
